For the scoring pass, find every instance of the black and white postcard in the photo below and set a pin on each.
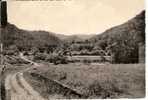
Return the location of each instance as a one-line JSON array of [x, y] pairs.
[[72, 49]]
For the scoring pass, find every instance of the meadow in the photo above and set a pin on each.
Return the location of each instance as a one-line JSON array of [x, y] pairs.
[[93, 81]]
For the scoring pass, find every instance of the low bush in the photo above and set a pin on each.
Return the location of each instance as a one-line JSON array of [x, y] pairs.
[[106, 89], [9, 52], [57, 59], [15, 60], [40, 56], [86, 61]]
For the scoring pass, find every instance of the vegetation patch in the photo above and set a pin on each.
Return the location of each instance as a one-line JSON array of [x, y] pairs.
[[98, 81]]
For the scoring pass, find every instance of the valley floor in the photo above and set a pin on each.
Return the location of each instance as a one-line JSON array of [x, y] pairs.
[[91, 81]]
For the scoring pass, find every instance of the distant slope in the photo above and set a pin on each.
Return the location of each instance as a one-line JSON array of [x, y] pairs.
[[24, 39], [124, 39], [135, 27], [70, 38]]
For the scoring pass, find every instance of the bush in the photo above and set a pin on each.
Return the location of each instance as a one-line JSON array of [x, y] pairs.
[[50, 58], [105, 89], [40, 56], [86, 61], [15, 60], [57, 59], [60, 60], [9, 52]]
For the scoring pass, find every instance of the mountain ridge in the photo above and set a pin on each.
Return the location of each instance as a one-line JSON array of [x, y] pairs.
[[135, 22], [12, 35], [124, 40]]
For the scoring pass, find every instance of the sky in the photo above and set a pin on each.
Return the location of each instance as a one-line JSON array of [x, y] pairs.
[[72, 16]]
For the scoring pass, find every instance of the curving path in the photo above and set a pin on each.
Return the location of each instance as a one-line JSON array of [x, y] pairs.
[[17, 88]]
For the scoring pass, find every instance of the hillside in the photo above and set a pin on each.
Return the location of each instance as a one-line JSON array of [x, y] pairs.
[[70, 38], [135, 26], [123, 40], [23, 39]]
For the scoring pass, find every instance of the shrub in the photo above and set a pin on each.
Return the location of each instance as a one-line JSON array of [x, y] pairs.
[[60, 60], [50, 58], [105, 89], [86, 61], [9, 52], [57, 59], [15, 60], [40, 56]]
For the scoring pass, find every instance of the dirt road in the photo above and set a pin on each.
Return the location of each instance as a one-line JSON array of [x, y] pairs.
[[17, 88]]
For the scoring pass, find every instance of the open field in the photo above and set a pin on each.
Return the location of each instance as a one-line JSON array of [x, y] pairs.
[[93, 81]]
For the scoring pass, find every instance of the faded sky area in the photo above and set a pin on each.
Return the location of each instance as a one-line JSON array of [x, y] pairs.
[[72, 16]]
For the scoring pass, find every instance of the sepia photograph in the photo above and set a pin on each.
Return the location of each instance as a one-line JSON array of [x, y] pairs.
[[72, 49]]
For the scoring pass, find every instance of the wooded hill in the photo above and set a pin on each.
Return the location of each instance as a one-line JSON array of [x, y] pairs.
[[124, 40], [25, 40]]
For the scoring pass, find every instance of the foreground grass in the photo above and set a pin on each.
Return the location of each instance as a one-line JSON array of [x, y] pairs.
[[96, 81]]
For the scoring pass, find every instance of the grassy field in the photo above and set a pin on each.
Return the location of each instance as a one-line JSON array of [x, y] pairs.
[[95, 81]]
